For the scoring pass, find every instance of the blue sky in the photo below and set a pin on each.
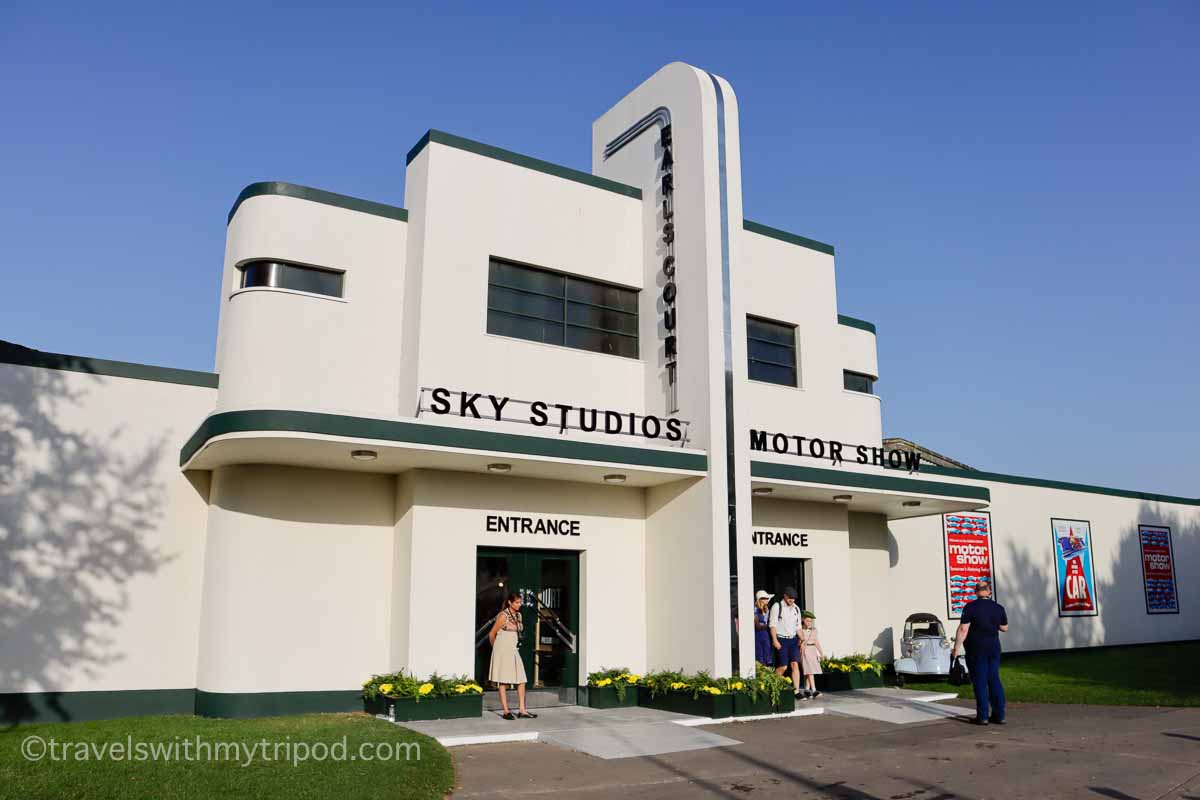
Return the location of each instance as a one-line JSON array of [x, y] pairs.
[[1012, 189]]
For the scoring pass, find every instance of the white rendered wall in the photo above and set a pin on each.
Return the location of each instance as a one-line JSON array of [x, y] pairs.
[[788, 283], [827, 527], [287, 350], [449, 525], [297, 579], [469, 208], [101, 537], [1025, 572], [871, 595]]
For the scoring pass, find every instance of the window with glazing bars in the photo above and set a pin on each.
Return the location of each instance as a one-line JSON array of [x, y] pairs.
[[858, 382], [771, 352], [553, 308]]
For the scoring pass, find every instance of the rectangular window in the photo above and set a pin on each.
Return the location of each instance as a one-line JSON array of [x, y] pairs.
[[553, 308], [298, 278], [858, 382], [771, 350]]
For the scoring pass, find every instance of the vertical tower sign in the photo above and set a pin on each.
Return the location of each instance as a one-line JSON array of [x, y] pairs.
[[667, 169]]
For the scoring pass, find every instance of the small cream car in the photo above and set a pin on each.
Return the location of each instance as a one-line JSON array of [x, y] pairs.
[[924, 649]]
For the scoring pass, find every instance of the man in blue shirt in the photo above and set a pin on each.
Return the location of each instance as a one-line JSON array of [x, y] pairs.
[[983, 620]]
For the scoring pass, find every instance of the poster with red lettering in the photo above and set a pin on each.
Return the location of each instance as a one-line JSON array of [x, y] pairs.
[[1073, 566], [1158, 569], [967, 543]]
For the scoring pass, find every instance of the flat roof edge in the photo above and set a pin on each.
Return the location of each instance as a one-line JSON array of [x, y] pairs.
[[517, 159], [284, 189], [1047, 483], [785, 236], [18, 355]]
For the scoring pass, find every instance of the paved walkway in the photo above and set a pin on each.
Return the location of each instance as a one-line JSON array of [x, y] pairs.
[[1045, 752], [635, 732]]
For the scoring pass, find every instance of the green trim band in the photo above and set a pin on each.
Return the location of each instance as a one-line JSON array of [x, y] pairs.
[[861, 324], [275, 704], [26, 357], [528, 162], [861, 480], [282, 189], [784, 236], [1044, 483], [25, 707], [269, 421]]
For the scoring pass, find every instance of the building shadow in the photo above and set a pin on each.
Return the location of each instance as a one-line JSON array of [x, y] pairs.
[[77, 509]]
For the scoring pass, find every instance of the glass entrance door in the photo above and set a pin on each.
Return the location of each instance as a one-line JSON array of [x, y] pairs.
[[548, 581]]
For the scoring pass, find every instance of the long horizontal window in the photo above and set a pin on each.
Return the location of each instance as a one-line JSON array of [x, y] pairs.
[[771, 352], [282, 275], [553, 308], [858, 382]]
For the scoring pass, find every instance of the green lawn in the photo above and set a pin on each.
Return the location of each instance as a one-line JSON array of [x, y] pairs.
[[85, 774], [1153, 675]]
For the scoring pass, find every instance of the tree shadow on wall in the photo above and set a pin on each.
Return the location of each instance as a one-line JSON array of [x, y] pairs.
[[1027, 585], [75, 517]]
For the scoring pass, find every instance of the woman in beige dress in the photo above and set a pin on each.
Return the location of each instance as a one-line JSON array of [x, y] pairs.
[[810, 654], [506, 668]]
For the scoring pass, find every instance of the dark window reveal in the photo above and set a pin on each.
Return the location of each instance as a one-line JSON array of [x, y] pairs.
[[771, 352], [281, 275], [549, 307], [858, 382]]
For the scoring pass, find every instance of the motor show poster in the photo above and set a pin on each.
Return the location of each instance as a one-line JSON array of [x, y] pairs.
[[1158, 569], [968, 549], [1073, 564]]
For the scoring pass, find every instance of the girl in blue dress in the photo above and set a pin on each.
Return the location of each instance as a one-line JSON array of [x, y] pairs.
[[762, 630]]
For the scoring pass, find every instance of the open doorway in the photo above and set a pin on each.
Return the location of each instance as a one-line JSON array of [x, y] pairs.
[[774, 574]]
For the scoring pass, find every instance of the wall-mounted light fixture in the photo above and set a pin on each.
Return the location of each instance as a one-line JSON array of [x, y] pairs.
[[364, 455], [843, 498], [499, 467], [615, 478]]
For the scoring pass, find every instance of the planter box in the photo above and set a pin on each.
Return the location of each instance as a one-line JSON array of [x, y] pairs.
[[744, 707], [409, 710], [843, 681], [606, 697], [706, 705]]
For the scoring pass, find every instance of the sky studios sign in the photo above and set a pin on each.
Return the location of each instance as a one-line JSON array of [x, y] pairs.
[[478, 405], [837, 452]]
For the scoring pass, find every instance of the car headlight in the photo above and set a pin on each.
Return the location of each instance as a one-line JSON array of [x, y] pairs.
[[945, 644], [916, 646]]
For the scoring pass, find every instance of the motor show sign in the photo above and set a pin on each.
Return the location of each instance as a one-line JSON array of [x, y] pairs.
[[1158, 569], [1073, 566], [968, 548]]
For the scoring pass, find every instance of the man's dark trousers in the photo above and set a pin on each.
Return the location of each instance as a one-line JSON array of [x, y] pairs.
[[985, 678]]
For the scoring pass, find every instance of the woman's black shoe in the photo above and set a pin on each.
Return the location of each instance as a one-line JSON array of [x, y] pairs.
[[995, 721], [526, 715], [978, 721], [507, 715]]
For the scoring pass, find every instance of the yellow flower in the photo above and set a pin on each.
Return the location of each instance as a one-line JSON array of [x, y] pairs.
[[631, 678], [385, 688], [737, 686], [678, 685], [425, 689], [461, 688], [712, 690], [604, 682]]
